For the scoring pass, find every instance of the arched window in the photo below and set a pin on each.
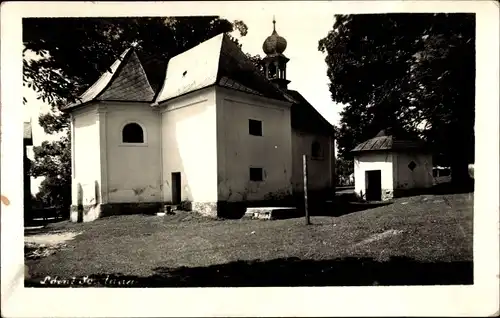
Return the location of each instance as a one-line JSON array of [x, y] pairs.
[[132, 133], [316, 150]]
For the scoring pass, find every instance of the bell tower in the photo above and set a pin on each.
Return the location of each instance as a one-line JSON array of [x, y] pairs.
[[275, 61]]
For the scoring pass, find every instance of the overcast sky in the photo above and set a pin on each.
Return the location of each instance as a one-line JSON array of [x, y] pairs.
[[306, 69]]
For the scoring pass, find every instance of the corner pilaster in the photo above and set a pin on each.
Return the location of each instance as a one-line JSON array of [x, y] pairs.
[[103, 152]]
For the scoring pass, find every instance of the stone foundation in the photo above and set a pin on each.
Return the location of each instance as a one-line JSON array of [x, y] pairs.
[[231, 210], [85, 213], [220, 209], [205, 208], [92, 212], [387, 194], [149, 208]]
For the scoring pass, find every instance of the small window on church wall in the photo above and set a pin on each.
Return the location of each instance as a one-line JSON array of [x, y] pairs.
[[316, 151], [132, 133], [255, 127], [256, 174]]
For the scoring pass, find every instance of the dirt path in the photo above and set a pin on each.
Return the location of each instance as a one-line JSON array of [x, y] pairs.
[[51, 238], [42, 245]]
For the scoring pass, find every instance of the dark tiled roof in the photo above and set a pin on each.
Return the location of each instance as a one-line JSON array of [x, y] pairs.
[[130, 83], [217, 61], [232, 84], [306, 118], [234, 64], [387, 140], [127, 81]]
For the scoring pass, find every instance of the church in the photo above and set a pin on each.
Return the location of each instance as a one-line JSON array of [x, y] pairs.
[[212, 130]]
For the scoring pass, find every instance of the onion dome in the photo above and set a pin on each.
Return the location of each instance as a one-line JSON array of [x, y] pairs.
[[274, 44]]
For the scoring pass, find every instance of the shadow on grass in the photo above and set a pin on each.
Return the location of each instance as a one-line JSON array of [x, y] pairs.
[[440, 189], [285, 272], [340, 205]]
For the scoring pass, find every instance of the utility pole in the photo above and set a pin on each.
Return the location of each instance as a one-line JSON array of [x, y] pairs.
[[304, 160]]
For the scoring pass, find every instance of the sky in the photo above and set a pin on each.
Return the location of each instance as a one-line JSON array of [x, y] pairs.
[[306, 69]]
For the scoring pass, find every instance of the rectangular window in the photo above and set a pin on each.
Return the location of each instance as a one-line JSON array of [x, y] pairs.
[[256, 174], [255, 127]]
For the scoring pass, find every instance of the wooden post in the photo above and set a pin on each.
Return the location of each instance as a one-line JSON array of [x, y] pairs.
[[304, 160]]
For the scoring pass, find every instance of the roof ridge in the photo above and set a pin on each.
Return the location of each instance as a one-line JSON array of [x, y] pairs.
[[82, 98], [119, 68]]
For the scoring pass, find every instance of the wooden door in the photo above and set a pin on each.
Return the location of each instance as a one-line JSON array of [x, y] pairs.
[[176, 187], [373, 185]]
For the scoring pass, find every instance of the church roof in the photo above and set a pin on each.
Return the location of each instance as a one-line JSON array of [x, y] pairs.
[[388, 140], [305, 117], [126, 81], [217, 61]]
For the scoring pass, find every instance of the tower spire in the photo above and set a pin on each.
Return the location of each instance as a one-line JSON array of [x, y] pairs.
[[275, 61]]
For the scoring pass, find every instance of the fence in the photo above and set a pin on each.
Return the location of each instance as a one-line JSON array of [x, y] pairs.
[[45, 214]]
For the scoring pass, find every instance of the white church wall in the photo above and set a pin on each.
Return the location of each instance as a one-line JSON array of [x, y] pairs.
[[85, 155], [189, 147], [373, 161], [238, 150], [320, 169], [133, 170], [420, 177]]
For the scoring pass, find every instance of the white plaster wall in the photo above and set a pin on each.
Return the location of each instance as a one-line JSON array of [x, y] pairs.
[[189, 146], [133, 170], [86, 154], [373, 161], [420, 177], [319, 170], [238, 150]]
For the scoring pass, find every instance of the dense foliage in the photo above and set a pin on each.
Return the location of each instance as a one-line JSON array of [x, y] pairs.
[[409, 71]]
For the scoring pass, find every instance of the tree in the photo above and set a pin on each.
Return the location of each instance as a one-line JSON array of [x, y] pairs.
[[343, 169], [411, 71], [257, 62], [71, 55]]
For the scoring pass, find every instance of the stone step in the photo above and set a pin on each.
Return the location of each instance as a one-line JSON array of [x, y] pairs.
[[269, 213]]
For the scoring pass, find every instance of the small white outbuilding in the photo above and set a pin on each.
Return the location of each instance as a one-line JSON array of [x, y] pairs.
[[388, 166]]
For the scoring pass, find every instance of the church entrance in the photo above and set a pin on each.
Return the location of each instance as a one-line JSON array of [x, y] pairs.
[[176, 187], [373, 185]]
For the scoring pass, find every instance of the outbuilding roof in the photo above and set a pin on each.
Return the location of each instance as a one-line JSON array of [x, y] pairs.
[[388, 140]]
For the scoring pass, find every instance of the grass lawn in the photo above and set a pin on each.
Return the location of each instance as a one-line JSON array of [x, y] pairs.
[[424, 239]]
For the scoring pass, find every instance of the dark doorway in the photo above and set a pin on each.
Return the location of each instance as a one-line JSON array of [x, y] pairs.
[[176, 187], [373, 185]]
